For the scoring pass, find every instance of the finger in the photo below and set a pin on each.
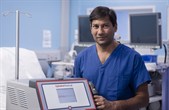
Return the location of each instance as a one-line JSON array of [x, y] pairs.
[[99, 98], [96, 97], [97, 104], [100, 107], [100, 104]]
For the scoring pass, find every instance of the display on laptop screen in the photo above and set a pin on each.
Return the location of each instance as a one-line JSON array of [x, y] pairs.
[[65, 94]]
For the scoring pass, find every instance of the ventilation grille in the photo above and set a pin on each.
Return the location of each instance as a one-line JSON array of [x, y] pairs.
[[17, 97], [22, 98], [12, 95]]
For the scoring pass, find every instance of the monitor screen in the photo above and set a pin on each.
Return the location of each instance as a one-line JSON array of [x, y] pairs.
[[65, 94], [84, 36], [79, 48], [145, 29]]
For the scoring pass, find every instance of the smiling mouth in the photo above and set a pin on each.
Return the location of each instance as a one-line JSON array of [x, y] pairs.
[[101, 38]]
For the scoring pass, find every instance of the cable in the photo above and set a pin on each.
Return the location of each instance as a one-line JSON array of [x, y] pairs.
[[165, 50]]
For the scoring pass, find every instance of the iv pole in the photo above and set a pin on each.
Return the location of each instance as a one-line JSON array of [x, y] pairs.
[[17, 39], [17, 46]]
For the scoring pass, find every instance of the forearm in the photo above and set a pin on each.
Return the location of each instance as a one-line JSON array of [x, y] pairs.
[[131, 104], [141, 99]]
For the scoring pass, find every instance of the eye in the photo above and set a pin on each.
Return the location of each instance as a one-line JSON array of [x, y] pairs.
[[106, 26], [95, 26]]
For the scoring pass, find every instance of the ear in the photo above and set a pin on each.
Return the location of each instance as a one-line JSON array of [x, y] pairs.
[[115, 28], [90, 26]]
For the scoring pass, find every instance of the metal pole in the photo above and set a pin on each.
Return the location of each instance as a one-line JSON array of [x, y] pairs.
[[17, 47]]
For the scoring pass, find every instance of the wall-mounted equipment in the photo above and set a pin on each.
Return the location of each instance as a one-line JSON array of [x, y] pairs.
[[145, 30], [84, 32]]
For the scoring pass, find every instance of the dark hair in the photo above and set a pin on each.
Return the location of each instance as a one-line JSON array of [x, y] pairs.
[[101, 12]]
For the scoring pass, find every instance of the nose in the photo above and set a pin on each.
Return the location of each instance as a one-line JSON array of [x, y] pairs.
[[100, 30]]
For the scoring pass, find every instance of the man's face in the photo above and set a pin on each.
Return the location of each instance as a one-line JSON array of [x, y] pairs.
[[103, 31]]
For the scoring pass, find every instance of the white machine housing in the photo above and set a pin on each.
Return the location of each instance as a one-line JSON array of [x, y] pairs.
[[20, 96], [34, 94]]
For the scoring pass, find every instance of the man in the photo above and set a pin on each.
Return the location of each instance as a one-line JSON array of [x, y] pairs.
[[118, 72]]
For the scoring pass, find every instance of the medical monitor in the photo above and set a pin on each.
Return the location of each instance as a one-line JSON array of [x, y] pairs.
[[79, 48], [145, 30], [84, 32], [68, 94]]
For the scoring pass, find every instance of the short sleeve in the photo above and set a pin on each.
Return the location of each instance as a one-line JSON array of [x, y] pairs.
[[140, 73]]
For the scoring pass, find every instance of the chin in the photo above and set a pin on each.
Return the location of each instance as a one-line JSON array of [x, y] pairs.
[[101, 43], [104, 43]]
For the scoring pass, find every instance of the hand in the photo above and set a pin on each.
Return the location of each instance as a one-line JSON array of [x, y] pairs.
[[102, 103]]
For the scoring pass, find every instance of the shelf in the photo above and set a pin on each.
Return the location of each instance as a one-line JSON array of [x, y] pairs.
[[155, 98]]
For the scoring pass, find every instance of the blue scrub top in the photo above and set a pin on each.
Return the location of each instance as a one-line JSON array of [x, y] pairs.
[[119, 77]]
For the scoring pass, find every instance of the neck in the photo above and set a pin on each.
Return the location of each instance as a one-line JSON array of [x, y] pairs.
[[105, 51], [109, 48]]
